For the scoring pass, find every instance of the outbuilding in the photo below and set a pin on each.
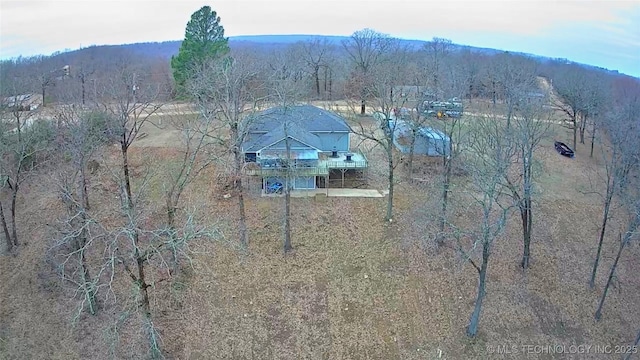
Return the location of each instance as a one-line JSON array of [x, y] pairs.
[[428, 141]]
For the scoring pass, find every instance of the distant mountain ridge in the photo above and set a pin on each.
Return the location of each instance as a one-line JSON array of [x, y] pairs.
[[167, 49]]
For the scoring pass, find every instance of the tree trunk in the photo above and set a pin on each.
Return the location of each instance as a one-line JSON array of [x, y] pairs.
[[244, 238], [82, 82], [493, 93], [445, 199], [605, 218], [411, 152], [612, 272], [633, 347], [472, 330], [125, 169], [526, 232], [14, 228], [143, 287], [287, 218], [287, 197], [83, 187], [509, 114], [526, 212], [242, 225], [575, 131], [324, 76], [43, 95], [593, 137], [316, 76], [389, 216], [171, 226], [87, 283], [141, 281], [171, 211], [89, 289], [5, 229], [146, 309], [80, 241], [330, 84], [583, 125]]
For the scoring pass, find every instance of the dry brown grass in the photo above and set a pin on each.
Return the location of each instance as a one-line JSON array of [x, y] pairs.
[[354, 287]]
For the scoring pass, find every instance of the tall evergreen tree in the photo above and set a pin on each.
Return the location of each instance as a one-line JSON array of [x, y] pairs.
[[203, 41]]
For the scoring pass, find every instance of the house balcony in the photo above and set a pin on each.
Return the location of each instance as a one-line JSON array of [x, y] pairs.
[[344, 160], [321, 167]]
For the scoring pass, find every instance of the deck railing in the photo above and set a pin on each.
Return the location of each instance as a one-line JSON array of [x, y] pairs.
[[281, 171], [346, 164], [322, 169]]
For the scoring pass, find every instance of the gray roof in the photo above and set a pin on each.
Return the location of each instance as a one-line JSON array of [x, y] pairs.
[[278, 133], [307, 117], [403, 128]]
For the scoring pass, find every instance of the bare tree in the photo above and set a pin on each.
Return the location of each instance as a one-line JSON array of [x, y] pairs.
[[527, 129], [619, 164], [416, 122], [365, 49], [81, 133], [456, 133], [75, 236], [596, 105], [140, 249], [22, 141], [230, 93], [401, 61], [315, 55], [83, 72], [471, 64], [131, 101], [286, 246], [50, 73], [195, 130], [284, 90], [46, 80], [489, 162], [438, 51], [383, 79], [285, 75], [629, 234], [569, 84], [516, 80], [3, 186], [139, 246]]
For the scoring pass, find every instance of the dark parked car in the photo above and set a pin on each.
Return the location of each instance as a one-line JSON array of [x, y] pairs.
[[563, 149]]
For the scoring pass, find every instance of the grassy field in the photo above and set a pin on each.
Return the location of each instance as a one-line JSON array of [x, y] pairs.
[[355, 287]]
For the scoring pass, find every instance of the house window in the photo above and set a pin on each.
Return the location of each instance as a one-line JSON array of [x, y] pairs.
[[250, 157], [306, 163], [305, 182]]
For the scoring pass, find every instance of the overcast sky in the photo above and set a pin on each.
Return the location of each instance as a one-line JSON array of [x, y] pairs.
[[602, 33]]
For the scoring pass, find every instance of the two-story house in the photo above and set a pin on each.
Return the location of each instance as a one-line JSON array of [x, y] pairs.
[[318, 140]]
